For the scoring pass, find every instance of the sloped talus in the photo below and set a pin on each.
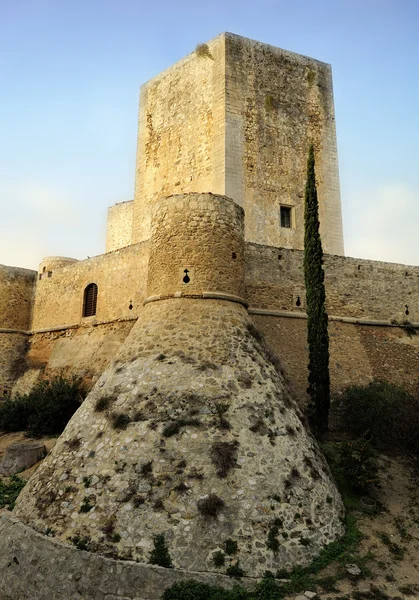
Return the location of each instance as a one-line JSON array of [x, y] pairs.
[[190, 433]]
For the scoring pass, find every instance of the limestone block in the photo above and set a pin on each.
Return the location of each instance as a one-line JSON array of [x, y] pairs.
[[21, 456]]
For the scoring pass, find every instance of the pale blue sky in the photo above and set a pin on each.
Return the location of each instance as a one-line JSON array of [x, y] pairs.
[[70, 74]]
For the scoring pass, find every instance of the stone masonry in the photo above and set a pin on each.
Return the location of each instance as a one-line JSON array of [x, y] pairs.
[[166, 441]]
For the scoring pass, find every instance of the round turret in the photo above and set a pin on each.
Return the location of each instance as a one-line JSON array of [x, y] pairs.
[[197, 247], [50, 263]]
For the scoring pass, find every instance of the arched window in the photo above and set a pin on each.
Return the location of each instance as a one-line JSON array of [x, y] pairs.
[[90, 300]]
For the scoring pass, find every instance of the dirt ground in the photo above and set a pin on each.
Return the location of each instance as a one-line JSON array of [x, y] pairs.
[[390, 536]]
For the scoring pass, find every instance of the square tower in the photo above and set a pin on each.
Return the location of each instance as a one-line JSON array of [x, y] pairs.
[[236, 117]]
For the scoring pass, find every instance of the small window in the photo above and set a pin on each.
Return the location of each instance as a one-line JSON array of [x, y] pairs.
[[90, 300], [286, 216]]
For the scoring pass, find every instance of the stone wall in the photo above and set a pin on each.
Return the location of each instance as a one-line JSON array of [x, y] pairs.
[[165, 442], [277, 103], [355, 288], [200, 253], [370, 296], [83, 351], [36, 567], [17, 286], [16, 298], [237, 119], [358, 353], [119, 226], [180, 133], [121, 277]]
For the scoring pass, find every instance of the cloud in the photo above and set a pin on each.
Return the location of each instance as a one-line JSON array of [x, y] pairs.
[[383, 224]]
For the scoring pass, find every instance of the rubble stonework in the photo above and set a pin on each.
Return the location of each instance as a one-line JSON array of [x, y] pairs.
[[191, 411]]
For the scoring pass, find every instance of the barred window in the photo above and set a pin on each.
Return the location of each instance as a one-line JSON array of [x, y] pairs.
[[90, 300], [286, 216]]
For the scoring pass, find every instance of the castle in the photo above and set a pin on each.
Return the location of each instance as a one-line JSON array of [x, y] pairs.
[[163, 327], [235, 119]]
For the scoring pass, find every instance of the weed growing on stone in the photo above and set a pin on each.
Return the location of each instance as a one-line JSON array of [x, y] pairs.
[[231, 547], [120, 421], [220, 411], [235, 570], [273, 542], [210, 506], [85, 506], [203, 51], [224, 456], [181, 487], [74, 443], [147, 469], [103, 403], [10, 491], [81, 543], [175, 426], [87, 481], [160, 554], [218, 559]]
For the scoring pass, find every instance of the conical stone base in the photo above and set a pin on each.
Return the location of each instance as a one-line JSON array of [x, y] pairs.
[[191, 434]]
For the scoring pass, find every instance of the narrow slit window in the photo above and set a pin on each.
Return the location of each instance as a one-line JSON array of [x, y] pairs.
[[90, 300], [286, 217]]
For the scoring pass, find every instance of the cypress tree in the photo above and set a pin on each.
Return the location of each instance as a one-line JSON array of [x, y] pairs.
[[317, 334]]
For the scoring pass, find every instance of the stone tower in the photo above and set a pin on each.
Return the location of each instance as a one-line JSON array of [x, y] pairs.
[[190, 433], [236, 118]]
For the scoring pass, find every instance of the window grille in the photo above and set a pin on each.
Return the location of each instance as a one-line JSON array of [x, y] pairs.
[[286, 217], [90, 300]]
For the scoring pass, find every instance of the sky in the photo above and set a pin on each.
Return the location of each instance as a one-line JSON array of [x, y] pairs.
[[70, 74]]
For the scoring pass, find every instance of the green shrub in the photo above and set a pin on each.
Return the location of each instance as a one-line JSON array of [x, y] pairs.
[[359, 463], [218, 559], [235, 570], [384, 413], [160, 554], [10, 491], [46, 410], [231, 547]]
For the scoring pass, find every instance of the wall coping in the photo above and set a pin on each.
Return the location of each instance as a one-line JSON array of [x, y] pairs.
[[301, 315], [202, 296], [35, 566], [21, 331]]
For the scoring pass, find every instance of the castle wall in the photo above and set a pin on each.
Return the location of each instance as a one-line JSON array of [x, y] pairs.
[[181, 142], [277, 103], [16, 296], [121, 278], [356, 288], [119, 225], [81, 351], [370, 295]]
